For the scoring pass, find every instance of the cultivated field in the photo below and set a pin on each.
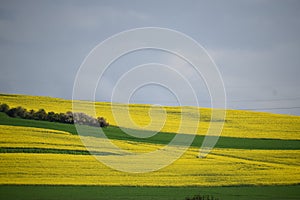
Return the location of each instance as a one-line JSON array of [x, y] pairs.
[[241, 124], [257, 150]]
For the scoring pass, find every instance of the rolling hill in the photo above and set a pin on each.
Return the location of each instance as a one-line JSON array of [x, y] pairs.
[[256, 156]]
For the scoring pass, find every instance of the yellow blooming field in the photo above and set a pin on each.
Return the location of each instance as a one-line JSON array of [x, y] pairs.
[[221, 167], [27, 137], [243, 124], [216, 170]]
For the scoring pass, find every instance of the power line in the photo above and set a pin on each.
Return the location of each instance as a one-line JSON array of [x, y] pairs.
[[245, 100], [266, 100], [242, 100], [277, 108]]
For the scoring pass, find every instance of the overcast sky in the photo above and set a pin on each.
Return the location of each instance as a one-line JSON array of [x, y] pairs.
[[255, 44]]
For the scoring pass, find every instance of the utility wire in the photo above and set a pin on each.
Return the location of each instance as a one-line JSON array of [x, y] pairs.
[[245, 100], [242, 100], [277, 108]]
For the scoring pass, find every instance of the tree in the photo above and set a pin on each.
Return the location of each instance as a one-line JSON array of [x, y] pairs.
[[17, 112], [40, 115], [69, 118], [12, 112], [102, 122], [30, 114], [21, 112], [62, 117], [4, 107], [51, 117]]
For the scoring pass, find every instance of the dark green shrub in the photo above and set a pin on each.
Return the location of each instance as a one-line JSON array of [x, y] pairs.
[[21, 112], [51, 117], [4, 107], [17, 112], [102, 122], [69, 118], [41, 114], [12, 112], [202, 197], [30, 114]]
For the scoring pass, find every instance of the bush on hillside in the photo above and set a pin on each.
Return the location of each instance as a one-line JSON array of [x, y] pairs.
[[4, 108], [41, 114]]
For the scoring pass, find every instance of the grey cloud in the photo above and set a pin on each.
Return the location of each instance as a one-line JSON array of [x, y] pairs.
[[255, 44]]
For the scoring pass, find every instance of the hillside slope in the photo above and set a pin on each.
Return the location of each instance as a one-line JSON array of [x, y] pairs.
[[254, 148], [43, 156], [241, 124]]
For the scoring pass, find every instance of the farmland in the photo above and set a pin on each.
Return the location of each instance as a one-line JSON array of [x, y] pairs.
[[257, 155], [241, 124]]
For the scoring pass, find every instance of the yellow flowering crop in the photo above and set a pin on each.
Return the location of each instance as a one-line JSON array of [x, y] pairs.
[[243, 124], [221, 167]]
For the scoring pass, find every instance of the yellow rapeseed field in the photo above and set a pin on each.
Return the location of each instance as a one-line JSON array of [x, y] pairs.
[[217, 169], [221, 167], [243, 124], [27, 137]]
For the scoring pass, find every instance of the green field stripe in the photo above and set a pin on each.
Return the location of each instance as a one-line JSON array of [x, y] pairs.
[[162, 138], [223, 142], [42, 150], [252, 143], [51, 150], [66, 192], [5, 120], [255, 160]]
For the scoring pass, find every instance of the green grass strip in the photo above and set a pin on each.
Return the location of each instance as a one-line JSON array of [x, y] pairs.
[[41, 150], [54, 192], [163, 138]]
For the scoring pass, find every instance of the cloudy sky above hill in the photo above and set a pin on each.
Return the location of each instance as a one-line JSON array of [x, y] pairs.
[[255, 44]]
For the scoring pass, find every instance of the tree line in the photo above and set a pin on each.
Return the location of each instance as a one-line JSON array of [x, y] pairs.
[[41, 114]]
